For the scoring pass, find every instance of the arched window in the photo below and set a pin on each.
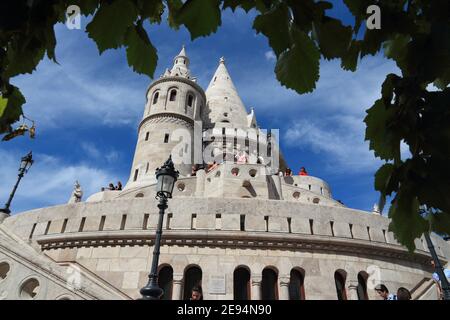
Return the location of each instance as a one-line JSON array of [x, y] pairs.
[[173, 95], [296, 287], [339, 279], [165, 282], [241, 284], [269, 285], [362, 286], [155, 97], [190, 100], [192, 278]]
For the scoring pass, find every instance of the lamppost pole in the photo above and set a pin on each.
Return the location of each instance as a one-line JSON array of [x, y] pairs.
[[437, 264], [26, 163], [152, 291], [166, 177], [438, 268]]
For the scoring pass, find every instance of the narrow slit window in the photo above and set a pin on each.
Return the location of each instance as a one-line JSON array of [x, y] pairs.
[[368, 233], [145, 222], [384, 235], [193, 221], [32, 231], [83, 221], [190, 100], [332, 227], [266, 220], [311, 229], [102, 223], [146, 136], [166, 138], [135, 174], [173, 95], [169, 220], [155, 98], [64, 226], [218, 222], [47, 227], [123, 222], [351, 230], [289, 225], [242, 221]]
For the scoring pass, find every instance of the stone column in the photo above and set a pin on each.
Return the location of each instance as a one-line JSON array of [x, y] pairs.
[[200, 183], [284, 288], [177, 284], [277, 182], [352, 292], [256, 287]]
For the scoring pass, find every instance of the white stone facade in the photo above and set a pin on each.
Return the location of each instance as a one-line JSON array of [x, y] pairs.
[[235, 218]]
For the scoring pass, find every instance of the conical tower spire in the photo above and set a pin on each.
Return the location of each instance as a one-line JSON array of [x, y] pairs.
[[224, 104], [180, 65]]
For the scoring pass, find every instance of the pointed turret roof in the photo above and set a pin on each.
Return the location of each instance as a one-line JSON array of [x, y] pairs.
[[180, 66], [223, 101]]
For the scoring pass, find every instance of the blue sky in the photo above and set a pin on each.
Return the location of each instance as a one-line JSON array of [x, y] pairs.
[[87, 109]]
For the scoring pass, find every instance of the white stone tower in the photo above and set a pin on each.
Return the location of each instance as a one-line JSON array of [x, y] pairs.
[[174, 102]]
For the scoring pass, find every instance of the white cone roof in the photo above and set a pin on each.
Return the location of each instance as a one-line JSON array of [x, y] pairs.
[[224, 104]]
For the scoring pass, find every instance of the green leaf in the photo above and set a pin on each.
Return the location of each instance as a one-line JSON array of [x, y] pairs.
[[110, 23], [440, 222], [13, 109], [274, 24], [383, 177], [88, 7], [358, 8], [23, 57], [406, 222], [201, 17], [174, 7], [152, 10], [396, 49], [349, 60], [3, 104], [333, 37], [383, 141], [298, 67], [141, 54], [247, 5]]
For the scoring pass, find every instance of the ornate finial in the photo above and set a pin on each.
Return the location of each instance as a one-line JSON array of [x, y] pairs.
[[222, 60]]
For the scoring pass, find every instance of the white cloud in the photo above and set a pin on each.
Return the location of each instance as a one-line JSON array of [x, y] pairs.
[[270, 56], [92, 151], [49, 181], [339, 139]]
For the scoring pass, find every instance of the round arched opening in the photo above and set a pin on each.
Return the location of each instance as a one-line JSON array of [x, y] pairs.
[[235, 172], [4, 270], [181, 186], [29, 289], [139, 195], [296, 195], [252, 173], [316, 200]]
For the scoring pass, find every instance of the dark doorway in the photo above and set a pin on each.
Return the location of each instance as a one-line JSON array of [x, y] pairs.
[[241, 284], [269, 285]]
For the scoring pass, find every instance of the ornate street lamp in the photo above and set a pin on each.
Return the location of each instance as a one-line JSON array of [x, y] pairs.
[[25, 165], [166, 177]]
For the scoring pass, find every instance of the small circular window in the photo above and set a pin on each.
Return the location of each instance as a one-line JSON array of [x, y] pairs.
[[4, 270], [296, 195], [252, 172], [29, 289], [181, 186], [316, 200], [225, 114], [235, 172]]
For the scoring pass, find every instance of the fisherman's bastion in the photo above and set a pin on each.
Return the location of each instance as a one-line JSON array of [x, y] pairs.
[[238, 229]]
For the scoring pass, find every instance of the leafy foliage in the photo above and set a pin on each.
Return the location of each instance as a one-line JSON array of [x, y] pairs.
[[414, 33]]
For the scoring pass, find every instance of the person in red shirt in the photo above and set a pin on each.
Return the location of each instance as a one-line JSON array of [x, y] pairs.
[[303, 172]]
